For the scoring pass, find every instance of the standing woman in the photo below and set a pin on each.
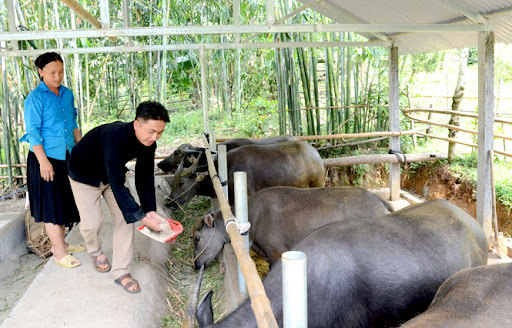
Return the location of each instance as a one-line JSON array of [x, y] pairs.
[[52, 131]]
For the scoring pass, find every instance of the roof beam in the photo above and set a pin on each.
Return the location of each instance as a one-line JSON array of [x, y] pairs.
[[77, 8], [461, 8], [197, 46], [232, 29], [344, 15], [290, 15]]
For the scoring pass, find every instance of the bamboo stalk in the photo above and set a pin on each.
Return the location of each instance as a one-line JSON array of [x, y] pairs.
[[382, 158], [259, 302]]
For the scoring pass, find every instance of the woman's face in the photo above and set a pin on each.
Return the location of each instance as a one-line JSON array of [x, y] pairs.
[[52, 74]]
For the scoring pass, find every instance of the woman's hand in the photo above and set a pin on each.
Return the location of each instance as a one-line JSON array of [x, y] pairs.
[[46, 169]]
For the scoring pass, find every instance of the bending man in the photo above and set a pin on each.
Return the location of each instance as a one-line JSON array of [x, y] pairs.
[[97, 168]]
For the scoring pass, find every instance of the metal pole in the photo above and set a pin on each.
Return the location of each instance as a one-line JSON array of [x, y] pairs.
[[223, 168], [295, 289], [204, 90], [241, 213], [394, 123], [11, 22], [212, 140], [105, 13]]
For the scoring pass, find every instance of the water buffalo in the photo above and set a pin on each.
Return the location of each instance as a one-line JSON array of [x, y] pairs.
[[281, 216], [374, 272], [476, 297], [289, 163], [171, 162]]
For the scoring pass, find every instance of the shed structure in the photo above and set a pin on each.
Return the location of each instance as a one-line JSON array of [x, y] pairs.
[[402, 26]]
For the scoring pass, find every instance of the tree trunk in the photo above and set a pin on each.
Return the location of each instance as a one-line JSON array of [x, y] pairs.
[[457, 98]]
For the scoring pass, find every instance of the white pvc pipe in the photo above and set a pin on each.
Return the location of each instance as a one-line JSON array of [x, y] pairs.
[[105, 13], [295, 295], [223, 168], [241, 213], [178, 47], [232, 29], [212, 140]]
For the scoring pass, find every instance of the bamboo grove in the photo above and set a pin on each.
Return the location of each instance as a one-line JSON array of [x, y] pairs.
[[306, 91]]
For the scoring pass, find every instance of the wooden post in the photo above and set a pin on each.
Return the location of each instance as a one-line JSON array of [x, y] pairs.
[[485, 129], [394, 123], [259, 301]]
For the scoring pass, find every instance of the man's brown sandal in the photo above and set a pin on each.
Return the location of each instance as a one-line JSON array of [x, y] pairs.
[[98, 263], [129, 284]]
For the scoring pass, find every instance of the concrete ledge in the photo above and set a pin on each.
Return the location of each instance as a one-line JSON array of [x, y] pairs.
[[12, 234]]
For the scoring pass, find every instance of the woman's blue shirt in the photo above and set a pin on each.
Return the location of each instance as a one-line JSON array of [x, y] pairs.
[[50, 120]]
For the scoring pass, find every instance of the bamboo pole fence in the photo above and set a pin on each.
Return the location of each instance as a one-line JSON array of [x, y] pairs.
[[407, 112], [259, 301], [351, 135], [383, 158]]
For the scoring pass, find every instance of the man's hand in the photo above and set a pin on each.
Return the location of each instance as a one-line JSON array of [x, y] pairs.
[[152, 221]]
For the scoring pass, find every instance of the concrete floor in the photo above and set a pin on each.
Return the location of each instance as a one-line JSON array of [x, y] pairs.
[[82, 297]]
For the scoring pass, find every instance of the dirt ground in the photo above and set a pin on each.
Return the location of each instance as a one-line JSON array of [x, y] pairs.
[[434, 182], [430, 181]]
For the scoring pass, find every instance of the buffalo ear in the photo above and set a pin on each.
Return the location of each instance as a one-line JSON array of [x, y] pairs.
[[209, 220], [204, 311]]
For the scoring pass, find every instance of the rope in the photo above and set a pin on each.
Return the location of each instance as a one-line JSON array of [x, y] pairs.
[[173, 200], [14, 193], [206, 246]]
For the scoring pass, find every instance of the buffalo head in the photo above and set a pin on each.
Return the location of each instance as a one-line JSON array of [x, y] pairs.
[[171, 162], [209, 238]]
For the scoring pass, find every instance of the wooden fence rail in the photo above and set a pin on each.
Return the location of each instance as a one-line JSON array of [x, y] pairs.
[[407, 112]]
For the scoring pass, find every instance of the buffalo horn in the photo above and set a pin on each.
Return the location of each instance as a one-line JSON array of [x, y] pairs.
[[192, 304], [193, 168], [178, 174]]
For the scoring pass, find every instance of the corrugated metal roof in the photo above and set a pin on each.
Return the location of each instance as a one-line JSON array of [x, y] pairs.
[[497, 12]]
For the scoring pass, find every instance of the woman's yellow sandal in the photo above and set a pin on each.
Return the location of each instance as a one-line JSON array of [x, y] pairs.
[[67, 261], [76, 248]]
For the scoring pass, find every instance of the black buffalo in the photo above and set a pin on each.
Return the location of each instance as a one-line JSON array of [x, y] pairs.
[[289, 163], [476, 297], [191, 153], [374, 272], [281, 216]]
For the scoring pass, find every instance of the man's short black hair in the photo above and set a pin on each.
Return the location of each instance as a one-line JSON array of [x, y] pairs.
[[152, 110]]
